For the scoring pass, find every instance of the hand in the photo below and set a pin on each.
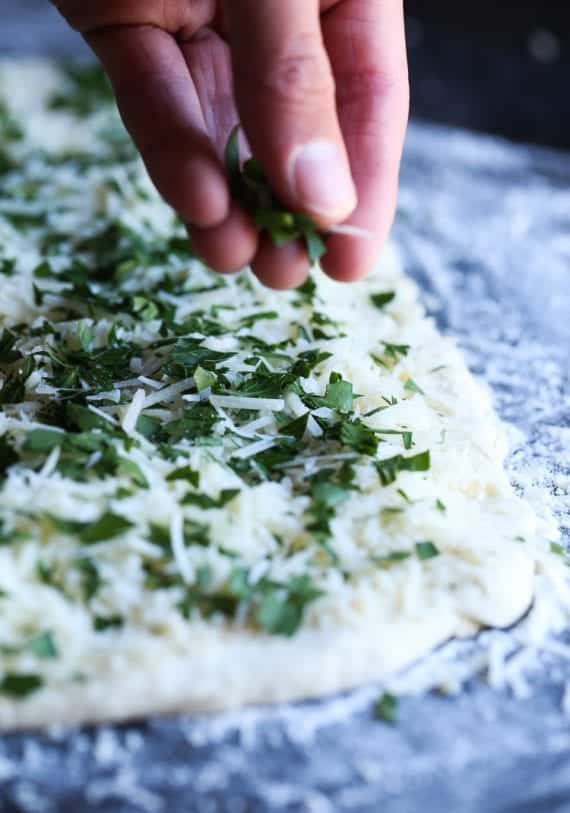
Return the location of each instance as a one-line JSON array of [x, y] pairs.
[[321, 91]]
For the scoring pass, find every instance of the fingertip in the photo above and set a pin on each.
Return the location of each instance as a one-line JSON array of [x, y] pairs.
[[350, 258], [281, 267], [194, 186], [228, 247], [209, 193]]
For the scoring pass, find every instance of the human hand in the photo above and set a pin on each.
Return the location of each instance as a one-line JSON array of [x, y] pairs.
[[320, 89]]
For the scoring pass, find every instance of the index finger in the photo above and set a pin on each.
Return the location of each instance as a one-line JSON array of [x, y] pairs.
[[366, 44], [286, 99]]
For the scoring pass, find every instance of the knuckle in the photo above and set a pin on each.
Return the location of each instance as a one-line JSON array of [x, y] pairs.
[[371, 84], [299, 74], [367, 94]]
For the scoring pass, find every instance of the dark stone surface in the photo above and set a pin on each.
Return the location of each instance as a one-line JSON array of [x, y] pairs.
[[497, 67]]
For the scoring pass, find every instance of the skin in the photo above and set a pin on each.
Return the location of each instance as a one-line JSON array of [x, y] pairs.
[[328, 75]]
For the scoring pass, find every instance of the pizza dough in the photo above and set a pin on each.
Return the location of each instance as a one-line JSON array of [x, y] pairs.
[[213, 494]]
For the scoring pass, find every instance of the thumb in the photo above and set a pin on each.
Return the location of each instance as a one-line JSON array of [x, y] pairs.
[[286, 99]]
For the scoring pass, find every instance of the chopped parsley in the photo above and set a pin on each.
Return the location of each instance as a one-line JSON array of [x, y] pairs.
[[426, 550], [382, 298], [20, 685], [42, 646], [250, 188], [391, 559], [389, 469], [386, 708], [144, 384], [557, 549], [411, 386]]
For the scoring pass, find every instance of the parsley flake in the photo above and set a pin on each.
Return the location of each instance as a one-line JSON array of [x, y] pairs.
[[386, 708], [426, 550], [381, 299], [19, 684]]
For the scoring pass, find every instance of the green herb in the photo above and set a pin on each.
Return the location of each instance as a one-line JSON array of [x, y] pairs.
[[359, 437], [7, 267], [82, 418], [339, 396], [102, 623], [386, 708], [411, 386], [440, 506], [48, 575], [391, 559], [128, 468], [329, 490], [43, 646], [10, 129], [189, 354], [282, 608], [107, 527], [392, 354], [20, 685], [7, 352], [186, 473], [396, 351], [206, 502], [426, 550], [559, 550], [250, 188], [86, 335], [307, 291], [389, 469], [8, 455], [329, 494], [90, 578], [149, 428], [380, 300], [195, 533], [249, 321], [197, 422], [145, 308], [43, 440], [204, 379], [296, 428], [406, 435], [13, 390], [275, 608]]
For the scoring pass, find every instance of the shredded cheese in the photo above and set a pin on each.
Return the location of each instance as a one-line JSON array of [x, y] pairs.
[[334, 494]]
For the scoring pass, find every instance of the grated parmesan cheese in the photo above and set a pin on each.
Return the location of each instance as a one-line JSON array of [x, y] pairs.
[[332, 506]]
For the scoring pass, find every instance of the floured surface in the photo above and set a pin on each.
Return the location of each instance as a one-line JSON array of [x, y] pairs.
[[332, 578]]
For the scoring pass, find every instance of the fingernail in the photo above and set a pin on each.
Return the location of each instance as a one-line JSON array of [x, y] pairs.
[[320, 180]]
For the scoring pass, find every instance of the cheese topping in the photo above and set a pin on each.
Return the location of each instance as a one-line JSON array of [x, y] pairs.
[[192, 465]]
